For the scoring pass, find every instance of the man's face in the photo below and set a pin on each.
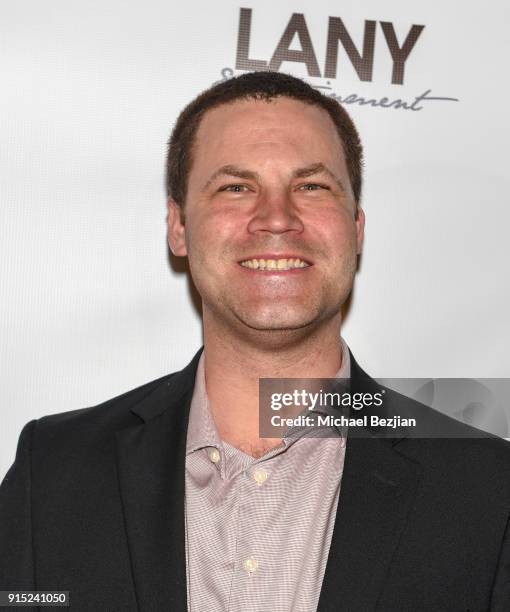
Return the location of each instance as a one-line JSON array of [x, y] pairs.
[[270, 228]]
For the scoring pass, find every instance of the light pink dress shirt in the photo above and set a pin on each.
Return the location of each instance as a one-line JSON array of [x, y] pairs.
[[258, 531]]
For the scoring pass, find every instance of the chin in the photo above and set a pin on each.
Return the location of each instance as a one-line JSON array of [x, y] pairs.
[[276, 319]]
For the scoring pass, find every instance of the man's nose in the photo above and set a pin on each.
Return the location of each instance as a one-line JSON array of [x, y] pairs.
[[275, 213]]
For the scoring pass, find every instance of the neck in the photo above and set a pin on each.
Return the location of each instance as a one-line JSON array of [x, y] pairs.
[[234, 363]]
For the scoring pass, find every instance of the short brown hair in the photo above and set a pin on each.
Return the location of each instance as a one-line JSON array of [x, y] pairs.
[[264, 85]]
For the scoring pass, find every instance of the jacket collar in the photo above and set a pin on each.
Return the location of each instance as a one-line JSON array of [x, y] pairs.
[[168, 394]]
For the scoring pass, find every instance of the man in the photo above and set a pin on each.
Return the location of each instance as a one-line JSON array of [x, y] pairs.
[[166, 498]]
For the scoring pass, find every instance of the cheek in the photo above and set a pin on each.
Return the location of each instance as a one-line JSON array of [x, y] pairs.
[[209, 236], [336, 231]]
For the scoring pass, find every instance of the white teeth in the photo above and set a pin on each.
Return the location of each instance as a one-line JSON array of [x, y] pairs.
[[274, 264]]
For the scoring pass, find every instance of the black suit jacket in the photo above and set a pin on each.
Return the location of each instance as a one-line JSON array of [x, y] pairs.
[[94, 504]]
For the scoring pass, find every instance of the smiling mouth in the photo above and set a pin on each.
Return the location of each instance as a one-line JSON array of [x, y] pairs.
[[270, 265]]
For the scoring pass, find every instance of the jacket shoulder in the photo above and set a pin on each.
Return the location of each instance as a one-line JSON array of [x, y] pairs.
[[112, 410], [91, 429]]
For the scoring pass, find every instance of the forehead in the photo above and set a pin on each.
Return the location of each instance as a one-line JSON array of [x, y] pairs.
[[281, 122]]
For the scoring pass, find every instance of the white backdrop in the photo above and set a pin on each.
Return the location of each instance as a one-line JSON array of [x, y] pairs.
[[90, 306]]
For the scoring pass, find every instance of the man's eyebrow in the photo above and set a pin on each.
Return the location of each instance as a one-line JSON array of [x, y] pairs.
[[233, 171], [237, 172], [318, 168]]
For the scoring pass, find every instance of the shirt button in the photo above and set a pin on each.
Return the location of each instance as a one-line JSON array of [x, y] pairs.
[[250, 565], [260, 475], [214, 455]]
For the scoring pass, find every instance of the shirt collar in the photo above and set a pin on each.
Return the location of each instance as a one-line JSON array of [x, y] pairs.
[[202, 430]]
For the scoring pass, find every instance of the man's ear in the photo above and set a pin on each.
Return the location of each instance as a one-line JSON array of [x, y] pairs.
[[175, 225], [360, 229]]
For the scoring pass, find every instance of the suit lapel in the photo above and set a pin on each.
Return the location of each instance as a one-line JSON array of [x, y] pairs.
[[151, 460], [378, 486], [377, 490]]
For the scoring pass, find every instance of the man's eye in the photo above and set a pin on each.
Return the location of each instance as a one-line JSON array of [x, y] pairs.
[[234, 188], [313, 187]]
